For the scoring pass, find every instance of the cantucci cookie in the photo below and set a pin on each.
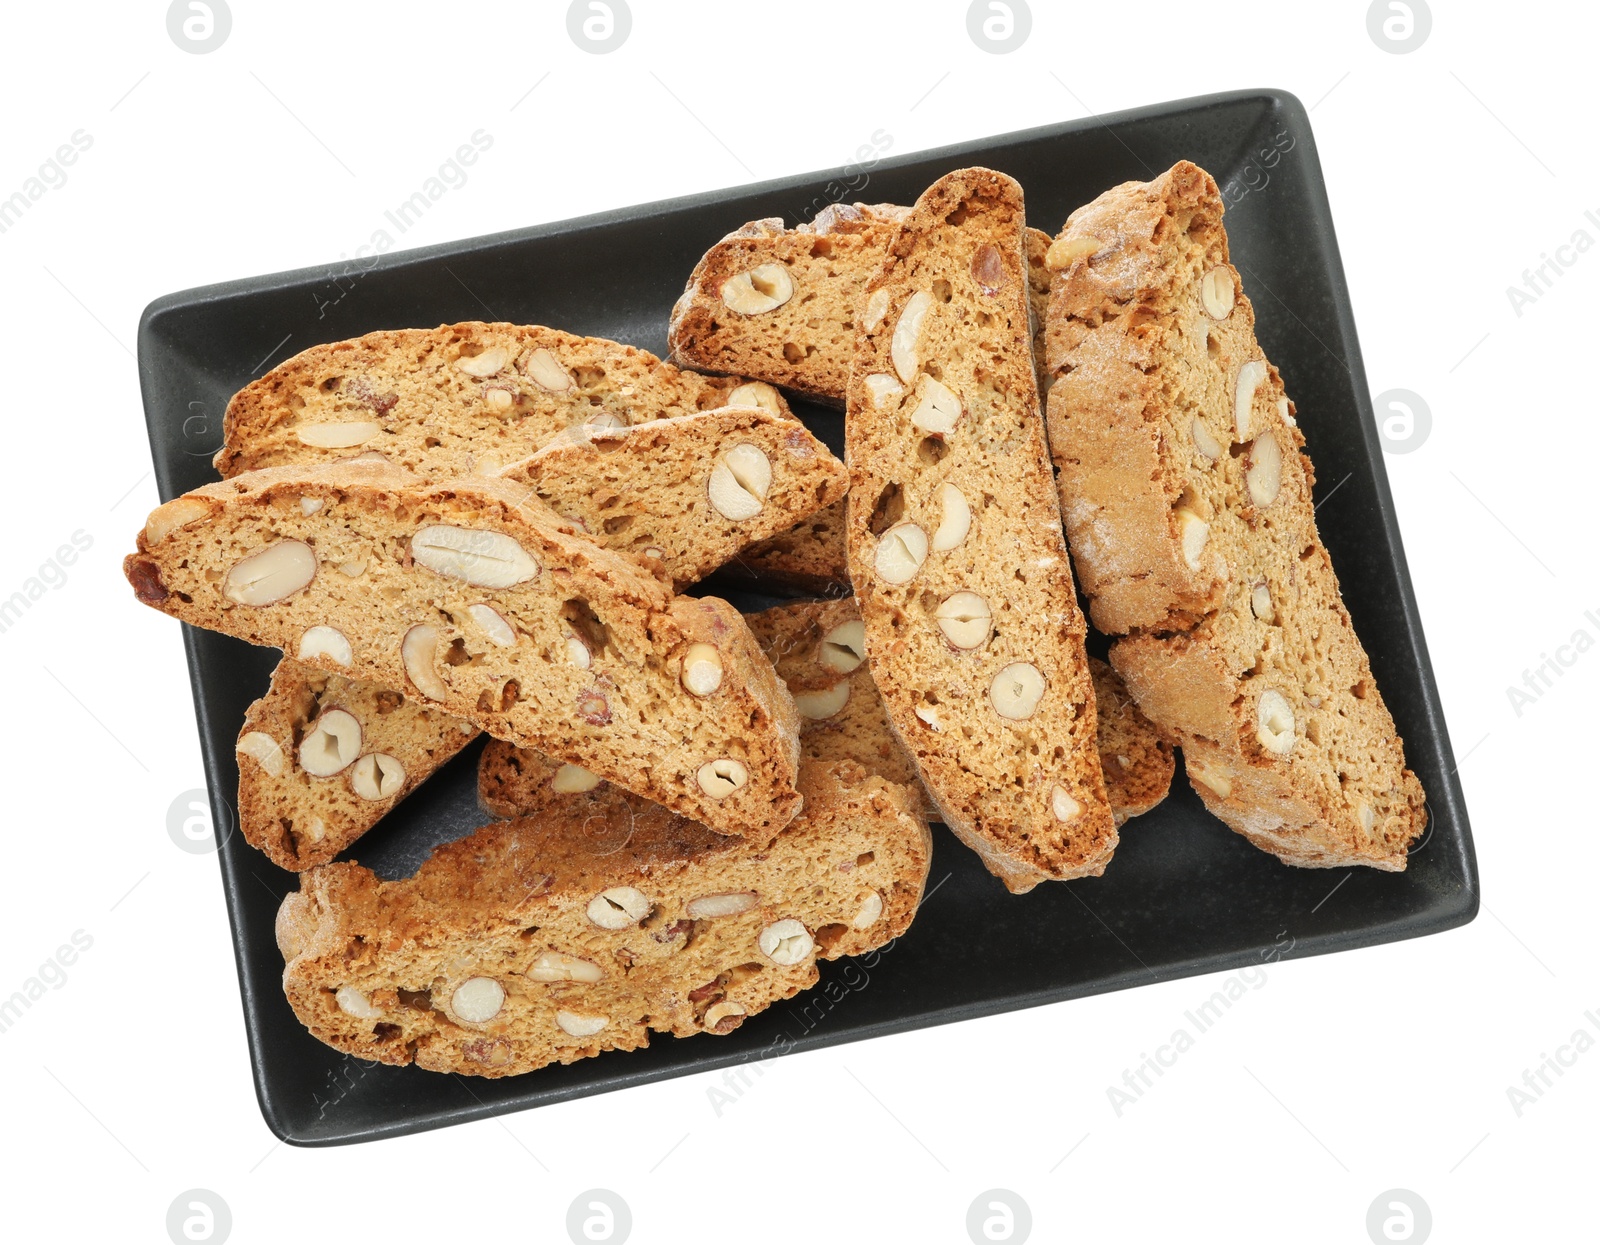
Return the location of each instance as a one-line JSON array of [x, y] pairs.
[[955, 543], [322, 757], [688, 492], [458, 400], [783, 305], [809, 557], [607, 917], [495, 610], [1188, 501], [1136, 761]]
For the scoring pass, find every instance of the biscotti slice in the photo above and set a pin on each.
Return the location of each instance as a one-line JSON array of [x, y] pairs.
[[955, 544], [322, 758], [458, 400], [809, 557], [1136, 761], [783, 305], [688, 492], [554, 938], [495, 610], [1187, 498]]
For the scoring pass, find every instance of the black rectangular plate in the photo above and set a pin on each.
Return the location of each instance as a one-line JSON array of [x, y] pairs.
[[1184, 895]]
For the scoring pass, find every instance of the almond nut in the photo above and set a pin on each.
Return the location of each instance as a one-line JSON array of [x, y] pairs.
[[1064, 252], [1193, 532], [1204, 441], [478, 1000], [377, 776], [326, 642], [761, 289], [939, 409], [1216, 292], [1017, 690], [580, 1025], [988, 270], [264, 749], [756, 393], [572, 779], [545, 370], [331, 745], [417, 651], [490, 361], [179, 512], [1261, 602], [907, 332], [845, 647], [726, 903], [901, 553], [1368, 817], [1062, 804], [702, 669], [272, 574], [557, 966], [354, 1003], [964, 619], [722, 777], [310, 505], [880, 388], [739, 482], [928, 716], [1275, 723], [578, 652], [786, 942], [1265, 473], [877, 307], [955, 517], [621, 907], [340, 436], [868, 913], [820, 704], [1218, 783], [483, 559], [1250, 377], [493, 624]]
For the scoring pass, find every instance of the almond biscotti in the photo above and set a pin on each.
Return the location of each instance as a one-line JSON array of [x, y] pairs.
[[554, 938], [1136, 761], [323, 757], [1187, 498], [458, 400], [955, 543], [809, 557], [688, 492], [782, 305], [494, 610]]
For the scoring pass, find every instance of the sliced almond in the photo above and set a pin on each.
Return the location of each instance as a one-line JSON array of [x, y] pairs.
[[377, 776], [572, 779], [760, 290], [417, 652], [702, 669], [739, 482], [724, 903], [580, 1024], [1204, 441], [487, 363], [1017, 690], [264, 750], [1265, 474], [758, 394], [545, 370], [845, 647], [326, 642], [331, 745], [271, 574], [882, 389], [900, 554], [877, 307], [721, 778], [558, 966], [819, 705], [1064, 252], [1250, 377], [482, 558], [340, 436], [494, 624], [955, 517], [938, 408], [1193, 532], [1216, 292], [907, 333], [964, 619], [1275, 723]]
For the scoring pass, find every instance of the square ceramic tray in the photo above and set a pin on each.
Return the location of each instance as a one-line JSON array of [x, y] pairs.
[[1184, 895]]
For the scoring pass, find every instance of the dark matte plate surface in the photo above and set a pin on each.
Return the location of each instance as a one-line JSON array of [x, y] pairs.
[[1184, 895]]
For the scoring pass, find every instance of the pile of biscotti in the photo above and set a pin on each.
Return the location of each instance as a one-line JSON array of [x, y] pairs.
[[488, 528]]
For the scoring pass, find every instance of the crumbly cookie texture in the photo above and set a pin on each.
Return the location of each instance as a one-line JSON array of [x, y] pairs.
[[492, 608], [1136, 761], [459, 400], [1187, 498], [687, 493], [606, 917], [955, 543], [810, 556], [322, 757]]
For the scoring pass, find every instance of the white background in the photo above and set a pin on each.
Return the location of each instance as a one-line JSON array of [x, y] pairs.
[[1450, 170]]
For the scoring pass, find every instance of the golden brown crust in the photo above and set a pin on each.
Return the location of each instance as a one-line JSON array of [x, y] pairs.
[[1002, 729], [427, 414], [583, 663], [512, 902], [1137, 763], [1188, 500]]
